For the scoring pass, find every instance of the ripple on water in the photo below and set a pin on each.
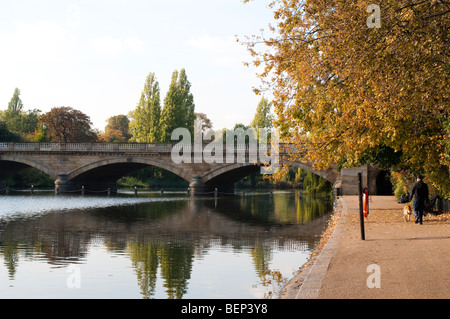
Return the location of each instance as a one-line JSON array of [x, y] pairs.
[[32, 205]]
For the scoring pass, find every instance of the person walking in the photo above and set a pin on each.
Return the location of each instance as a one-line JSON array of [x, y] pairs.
[[419, 192]]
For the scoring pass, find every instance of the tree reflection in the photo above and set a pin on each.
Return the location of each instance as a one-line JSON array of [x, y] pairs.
[[279, 207], [262, 255], [145, 261], [175, 262], [176, 267], [163, 239], [10, 257]]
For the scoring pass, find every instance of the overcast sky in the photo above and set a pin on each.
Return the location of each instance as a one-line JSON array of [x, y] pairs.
[[94, 55]]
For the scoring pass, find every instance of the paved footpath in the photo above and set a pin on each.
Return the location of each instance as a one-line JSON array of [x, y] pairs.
[[411, 260]]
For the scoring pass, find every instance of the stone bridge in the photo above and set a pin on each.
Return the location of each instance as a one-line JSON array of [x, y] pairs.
[[98, 166]]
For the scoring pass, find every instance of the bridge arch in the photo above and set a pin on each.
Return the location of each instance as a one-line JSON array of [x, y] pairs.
[[103, 174], [133, 163], [27, 162], [224, 177], [232, 172], [240, 170]]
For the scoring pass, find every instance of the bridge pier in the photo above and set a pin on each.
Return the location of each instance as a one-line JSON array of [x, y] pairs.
[[62, 184], [347, 182], [196, 187]]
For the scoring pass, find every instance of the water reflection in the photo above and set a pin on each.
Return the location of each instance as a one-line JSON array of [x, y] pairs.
[[176, 247]]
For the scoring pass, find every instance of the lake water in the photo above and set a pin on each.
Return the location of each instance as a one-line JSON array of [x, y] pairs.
[[154, 246]]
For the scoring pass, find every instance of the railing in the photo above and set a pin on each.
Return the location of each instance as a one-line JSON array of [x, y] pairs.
[[108, 147], [126, 147], [250, 149], [443, 205]]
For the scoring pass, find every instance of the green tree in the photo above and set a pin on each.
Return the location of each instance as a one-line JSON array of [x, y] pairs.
[[21, 123], [6, 135], [315, 184], [144, 125], [41, 134], [179, 107], [17, 121], [15, 105], [263, 118]]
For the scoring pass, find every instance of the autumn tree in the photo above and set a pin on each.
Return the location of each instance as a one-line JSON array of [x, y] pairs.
[[120, 123], [350, 78], [68, 125], [116, 130], [112, 136], [179, 107], [144, 125]]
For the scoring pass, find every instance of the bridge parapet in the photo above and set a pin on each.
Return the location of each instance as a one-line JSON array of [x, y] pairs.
[[111, 147], [129, 147]]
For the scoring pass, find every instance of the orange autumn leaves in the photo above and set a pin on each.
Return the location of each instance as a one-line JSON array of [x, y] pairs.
[[344, 89]]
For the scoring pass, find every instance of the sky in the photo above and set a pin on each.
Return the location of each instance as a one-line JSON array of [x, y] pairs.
[[95, 55]]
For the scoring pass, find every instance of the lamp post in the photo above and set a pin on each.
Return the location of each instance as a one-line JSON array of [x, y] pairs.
[[44, 127]]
